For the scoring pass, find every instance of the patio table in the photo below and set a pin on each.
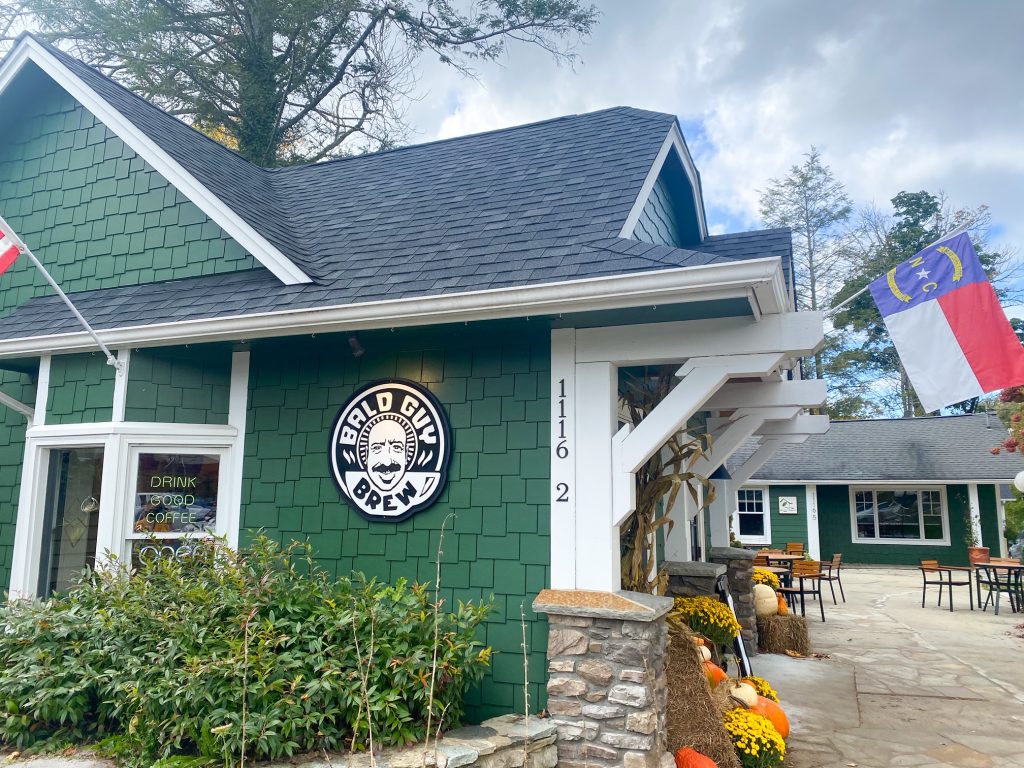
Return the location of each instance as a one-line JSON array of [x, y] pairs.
[[786, 560], [992, 574]]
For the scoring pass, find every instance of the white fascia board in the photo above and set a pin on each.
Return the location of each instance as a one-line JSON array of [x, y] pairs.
[[677, 285], [244, 234], [674, 140]]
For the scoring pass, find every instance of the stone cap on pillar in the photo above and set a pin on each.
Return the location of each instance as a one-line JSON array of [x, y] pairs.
[[623, 605], [732, 553], [694, 568]]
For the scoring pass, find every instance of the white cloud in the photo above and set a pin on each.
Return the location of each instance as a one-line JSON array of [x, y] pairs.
[[910, 95]]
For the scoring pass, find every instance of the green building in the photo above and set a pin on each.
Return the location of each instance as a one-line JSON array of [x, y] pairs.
[[883, 491], [361, 352]]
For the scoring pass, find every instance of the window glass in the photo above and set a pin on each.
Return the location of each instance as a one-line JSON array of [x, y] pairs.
[[72, 514], [750, 512], [865, 510], [176, 493], [931, 514], [147, 550], [898, 516]]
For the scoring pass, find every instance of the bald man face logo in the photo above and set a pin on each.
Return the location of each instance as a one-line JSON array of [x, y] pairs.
[[386, 458]]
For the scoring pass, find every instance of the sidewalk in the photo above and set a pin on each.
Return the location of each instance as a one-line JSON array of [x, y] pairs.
[[904, 685]]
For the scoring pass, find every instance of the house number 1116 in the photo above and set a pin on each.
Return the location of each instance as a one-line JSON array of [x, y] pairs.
[[561, 441]]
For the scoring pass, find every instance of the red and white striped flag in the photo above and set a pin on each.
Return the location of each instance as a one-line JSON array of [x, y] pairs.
[[9, 249]]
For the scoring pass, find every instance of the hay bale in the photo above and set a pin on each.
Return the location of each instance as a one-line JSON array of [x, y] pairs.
[[694, 718], [778, 634]]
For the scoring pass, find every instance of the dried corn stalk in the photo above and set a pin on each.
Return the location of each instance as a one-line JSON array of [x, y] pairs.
[[659, 481]]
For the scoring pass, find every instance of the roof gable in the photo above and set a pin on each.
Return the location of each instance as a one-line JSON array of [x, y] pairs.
[[97, 215], [149, 132]]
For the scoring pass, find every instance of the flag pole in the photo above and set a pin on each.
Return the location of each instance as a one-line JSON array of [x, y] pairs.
[[958, 231], [111, 360]]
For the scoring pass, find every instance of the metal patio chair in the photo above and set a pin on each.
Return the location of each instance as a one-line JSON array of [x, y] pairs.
[[832, 573], [999, 581], [806, 580], [794, 547], [943, 576]]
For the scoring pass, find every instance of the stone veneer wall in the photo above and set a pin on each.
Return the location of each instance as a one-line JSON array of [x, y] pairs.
[[693, 579], [740, 570], [607, 686]]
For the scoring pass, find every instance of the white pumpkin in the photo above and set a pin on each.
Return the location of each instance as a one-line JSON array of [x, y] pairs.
[[765, 601], [743, 693], [705, 654]]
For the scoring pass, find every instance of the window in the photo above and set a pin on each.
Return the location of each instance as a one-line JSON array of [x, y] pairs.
[[904, 515], [71, 517], [175, 499], [751, 522]]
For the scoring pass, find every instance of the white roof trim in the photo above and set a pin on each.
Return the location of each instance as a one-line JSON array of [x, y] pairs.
[[674, 140], [244, 234], [759, 281]]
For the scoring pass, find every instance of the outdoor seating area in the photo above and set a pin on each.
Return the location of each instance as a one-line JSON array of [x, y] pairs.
[[997, 577], [800, 577]]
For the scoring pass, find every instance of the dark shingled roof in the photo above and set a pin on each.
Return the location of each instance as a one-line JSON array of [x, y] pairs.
[[538, 203], [951, 448]]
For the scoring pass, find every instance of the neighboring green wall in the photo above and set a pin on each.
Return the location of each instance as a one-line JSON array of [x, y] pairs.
[[786, 528], [834, 532], [12, 450], [81, 389], [495, 386], [990, 533], [179, 385], [93, 212]]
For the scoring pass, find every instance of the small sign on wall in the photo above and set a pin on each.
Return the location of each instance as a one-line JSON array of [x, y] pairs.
[[787, 505]]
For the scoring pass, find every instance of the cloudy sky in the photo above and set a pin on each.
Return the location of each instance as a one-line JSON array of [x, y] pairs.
[[897, 95]]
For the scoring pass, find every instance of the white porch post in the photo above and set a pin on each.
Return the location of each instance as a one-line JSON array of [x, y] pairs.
[[597, 540], [721, 508], [975, 505], [813, 543]]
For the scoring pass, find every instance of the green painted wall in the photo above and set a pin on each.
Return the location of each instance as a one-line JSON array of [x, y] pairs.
[[990, 533], [786, 528], [12, 449], [94, 212], [834, 532], [81, 389], [495, 387], [179, 385]]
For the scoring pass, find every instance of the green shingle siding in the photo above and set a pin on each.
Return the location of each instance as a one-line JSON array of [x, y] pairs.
[[179, 385], [497, 396], [834, 530], [787, 528], [81, 389], [990, 533], [89, 207], [12, 449], [658, 222]]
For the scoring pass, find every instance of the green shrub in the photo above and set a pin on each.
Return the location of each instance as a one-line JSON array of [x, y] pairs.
[[160, 663]]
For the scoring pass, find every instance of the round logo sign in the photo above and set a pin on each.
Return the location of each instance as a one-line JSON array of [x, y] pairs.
[[390, 449]]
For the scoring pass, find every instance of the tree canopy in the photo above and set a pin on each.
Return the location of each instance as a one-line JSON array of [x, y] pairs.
[[286, 81]]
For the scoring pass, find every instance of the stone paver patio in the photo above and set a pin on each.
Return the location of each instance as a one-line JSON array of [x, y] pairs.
[[904, 685]]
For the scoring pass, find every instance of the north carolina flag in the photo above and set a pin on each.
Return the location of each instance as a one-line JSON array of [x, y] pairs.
[[947, 325], [9, 250]]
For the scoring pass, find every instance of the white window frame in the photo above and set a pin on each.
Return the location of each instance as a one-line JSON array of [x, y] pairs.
[[766, 501], [121, 440], [874, 489]]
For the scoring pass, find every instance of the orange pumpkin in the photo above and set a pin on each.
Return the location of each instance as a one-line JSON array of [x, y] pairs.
[[783, 606], [714, 673], [771, 710], [688, 757]]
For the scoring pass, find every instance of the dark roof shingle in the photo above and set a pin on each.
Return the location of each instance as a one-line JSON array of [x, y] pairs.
[[951, 448]]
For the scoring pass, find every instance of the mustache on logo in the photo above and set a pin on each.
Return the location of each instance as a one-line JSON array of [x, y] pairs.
[[382, 468]]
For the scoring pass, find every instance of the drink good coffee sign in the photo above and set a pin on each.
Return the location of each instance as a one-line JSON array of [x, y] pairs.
[[390, 449]]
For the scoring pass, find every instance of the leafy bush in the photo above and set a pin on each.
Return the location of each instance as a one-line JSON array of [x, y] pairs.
[[707, 616], [195, 656]]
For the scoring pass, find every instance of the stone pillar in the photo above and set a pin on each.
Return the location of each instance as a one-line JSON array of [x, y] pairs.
[[693, 579], [607, 688], [740, 569]]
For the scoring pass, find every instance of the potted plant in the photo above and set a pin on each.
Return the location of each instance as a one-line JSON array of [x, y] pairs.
[[975, 554]]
